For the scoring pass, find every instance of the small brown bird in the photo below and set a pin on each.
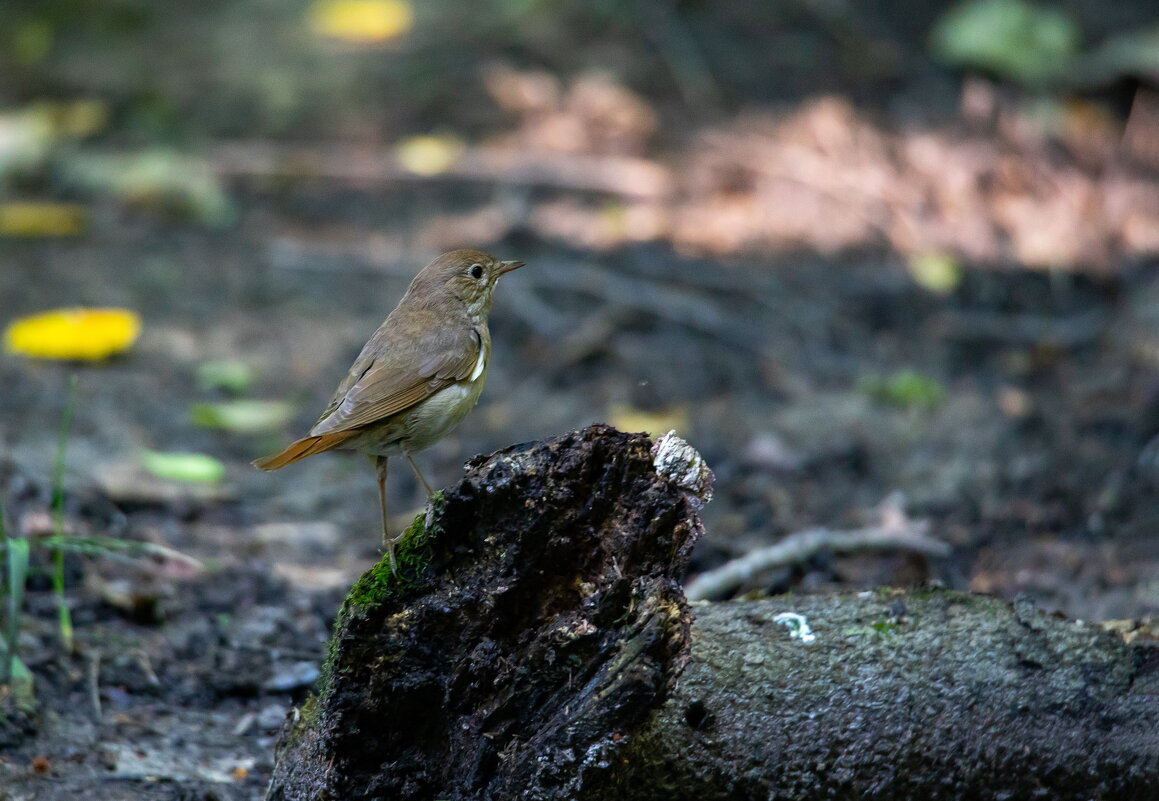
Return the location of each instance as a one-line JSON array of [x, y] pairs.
[[417, 377]]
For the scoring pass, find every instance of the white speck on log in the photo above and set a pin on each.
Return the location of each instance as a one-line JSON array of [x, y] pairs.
[[680, 463], [797, 625]]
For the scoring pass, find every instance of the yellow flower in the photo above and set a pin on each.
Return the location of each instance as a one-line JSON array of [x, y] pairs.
[[361, 21], [73, 334]]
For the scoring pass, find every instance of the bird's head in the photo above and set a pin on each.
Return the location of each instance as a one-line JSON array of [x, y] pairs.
[[461, 276]]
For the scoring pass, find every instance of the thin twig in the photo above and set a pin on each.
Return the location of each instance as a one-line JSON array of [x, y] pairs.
[[690, 309], [244, 724], [626, 176], [128, 550], [1072, 331], [896, 532], [14, 561], [95, 682], [146, 666]]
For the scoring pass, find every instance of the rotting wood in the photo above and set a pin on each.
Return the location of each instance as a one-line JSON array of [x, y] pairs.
[[539, 647]]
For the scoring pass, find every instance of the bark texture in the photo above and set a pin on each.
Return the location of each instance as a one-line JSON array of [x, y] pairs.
[[930, 695], [537, 646], [539, 619]]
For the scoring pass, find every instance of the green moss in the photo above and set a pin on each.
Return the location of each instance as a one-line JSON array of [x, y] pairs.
[[933, 592], [380, 583], [874, 632], [885, 593], [412, 553], [309, 710], [307, 717], [373, 586], [326, 676]]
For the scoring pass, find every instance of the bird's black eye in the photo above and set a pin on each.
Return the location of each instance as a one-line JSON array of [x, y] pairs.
[[476, 271]]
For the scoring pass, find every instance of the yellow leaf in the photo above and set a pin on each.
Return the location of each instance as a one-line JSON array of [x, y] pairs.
[[429, 155], [154, 179], [81, 118], [361, 21], [73, 334], [937, 272], [41, 219]]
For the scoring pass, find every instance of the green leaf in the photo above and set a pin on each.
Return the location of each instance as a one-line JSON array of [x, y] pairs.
[[16, 550], [197, 467], [230, 375], [936, 272], [31, 42], [16, 560], [21, 684], [1133, 52], [242, 416], [906, 389], [1022, 41], [158, 179], [20, 671]]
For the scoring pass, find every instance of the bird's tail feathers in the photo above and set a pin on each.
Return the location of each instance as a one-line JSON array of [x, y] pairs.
[[307, 446]]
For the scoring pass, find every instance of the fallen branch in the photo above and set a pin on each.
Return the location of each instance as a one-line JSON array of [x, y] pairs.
[[896, 532], [933, 695]]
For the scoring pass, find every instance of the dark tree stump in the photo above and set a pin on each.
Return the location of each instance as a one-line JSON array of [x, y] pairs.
[[539, 620], [538, 646]]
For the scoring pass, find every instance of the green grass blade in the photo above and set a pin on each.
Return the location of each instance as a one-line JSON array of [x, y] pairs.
[[63, 614], [131, 550], [9, 639], [16, 559]]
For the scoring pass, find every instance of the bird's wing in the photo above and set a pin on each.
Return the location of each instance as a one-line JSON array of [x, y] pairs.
[[385, 381]]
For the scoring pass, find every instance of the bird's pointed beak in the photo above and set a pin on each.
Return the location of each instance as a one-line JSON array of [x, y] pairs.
[[508, 266]]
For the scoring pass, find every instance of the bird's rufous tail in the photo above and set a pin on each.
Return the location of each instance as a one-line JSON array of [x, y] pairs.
[[307, 446]]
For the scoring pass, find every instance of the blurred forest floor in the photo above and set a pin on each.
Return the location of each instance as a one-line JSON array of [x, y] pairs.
[[837, 268]]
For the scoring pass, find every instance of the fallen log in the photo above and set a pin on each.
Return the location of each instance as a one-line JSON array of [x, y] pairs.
[[536, 645]]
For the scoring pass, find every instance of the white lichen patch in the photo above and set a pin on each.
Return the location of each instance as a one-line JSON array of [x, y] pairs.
[[680, 463], [797, 625]]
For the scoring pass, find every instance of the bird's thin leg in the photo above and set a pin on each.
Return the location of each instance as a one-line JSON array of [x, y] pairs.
[[387, 541], [419, 473]]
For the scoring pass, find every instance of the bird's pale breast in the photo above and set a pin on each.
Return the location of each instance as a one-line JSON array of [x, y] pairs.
[[422, 425], [434, 418]]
